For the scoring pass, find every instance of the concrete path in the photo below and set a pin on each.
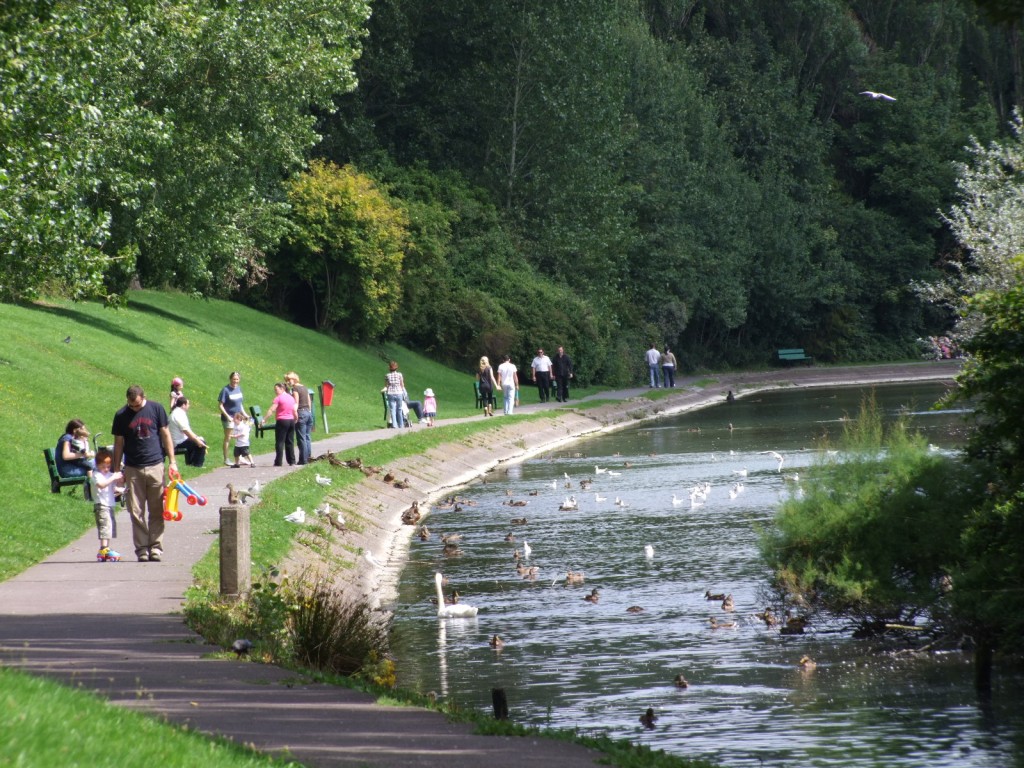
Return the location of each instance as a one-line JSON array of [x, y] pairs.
[[114, 627]]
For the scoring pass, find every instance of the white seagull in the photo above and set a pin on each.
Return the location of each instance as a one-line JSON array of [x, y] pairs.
[[372, 560], [254, 489], [740, 472], [877, 96], [599, 498], [778, 457], [324, 510], [599, 470], [676, 501], [298, 516], [527, 549], [321, 480], [649, 552]]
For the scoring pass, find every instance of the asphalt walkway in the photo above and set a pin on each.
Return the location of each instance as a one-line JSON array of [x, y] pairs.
[[115, 628]]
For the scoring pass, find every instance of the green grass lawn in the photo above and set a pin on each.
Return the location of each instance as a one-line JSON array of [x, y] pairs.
[[45, 723], [44, 382]]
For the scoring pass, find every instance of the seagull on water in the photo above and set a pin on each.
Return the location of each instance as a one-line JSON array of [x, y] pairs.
[[649, 552], [778, 457], [877, 96]]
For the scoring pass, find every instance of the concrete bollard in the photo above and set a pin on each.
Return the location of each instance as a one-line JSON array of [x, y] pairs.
[[235, 551]]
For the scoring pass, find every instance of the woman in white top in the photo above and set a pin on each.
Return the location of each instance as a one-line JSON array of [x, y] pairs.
[[183, 437]]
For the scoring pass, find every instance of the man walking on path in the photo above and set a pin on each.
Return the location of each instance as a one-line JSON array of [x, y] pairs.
[[541, 368], [561, 367], [508, 380], [653, 358], [142, 437]]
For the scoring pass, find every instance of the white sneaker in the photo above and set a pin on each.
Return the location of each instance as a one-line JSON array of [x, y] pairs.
[[228, 463]]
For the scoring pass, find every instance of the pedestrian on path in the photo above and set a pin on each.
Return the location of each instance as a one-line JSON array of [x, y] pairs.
[[142, 438], [653, 358], [541, 375], [508, 378], [668, 367], [283, 411], [561, 368], [304, 415], [230, 403]]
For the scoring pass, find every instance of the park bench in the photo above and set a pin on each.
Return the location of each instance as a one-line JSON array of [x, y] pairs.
[[258, 427], [56, 481], [794, 356]]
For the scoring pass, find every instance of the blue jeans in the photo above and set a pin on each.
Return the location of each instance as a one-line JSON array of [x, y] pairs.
[[669, 373], [303, 430], [395, 409], [654, 373]]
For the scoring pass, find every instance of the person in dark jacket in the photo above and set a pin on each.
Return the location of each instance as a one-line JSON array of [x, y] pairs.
[[561, 369]]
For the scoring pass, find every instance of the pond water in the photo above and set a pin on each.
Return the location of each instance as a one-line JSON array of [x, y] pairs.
[[596, 667]]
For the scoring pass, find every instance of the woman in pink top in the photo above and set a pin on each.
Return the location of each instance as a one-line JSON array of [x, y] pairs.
[[283, 411]]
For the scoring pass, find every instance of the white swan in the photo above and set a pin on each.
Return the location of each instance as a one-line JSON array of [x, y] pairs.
[[456, 611]]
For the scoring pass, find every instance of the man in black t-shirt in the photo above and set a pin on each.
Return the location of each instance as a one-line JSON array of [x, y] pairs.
[[142, 438]]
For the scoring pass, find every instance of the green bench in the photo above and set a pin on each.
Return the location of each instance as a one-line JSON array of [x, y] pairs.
[[56, 481], [794, 356], [257, 420]]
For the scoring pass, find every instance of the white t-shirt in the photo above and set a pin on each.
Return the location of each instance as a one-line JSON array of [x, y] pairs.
[[653, 356], [507, 374], [542, 364], [178, 423], [240, 433]]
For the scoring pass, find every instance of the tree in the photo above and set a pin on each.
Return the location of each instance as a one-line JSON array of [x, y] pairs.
[[988, 223], [349, 244], [149, 139]]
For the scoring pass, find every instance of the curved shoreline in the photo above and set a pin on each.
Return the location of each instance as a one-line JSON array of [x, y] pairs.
[[441, 471]]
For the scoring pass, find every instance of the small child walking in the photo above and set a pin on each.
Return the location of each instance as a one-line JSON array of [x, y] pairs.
[[104, 494], [429, 406], [240, 430]]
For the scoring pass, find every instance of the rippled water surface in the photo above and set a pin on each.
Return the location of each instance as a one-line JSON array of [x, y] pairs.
[[596, 667]]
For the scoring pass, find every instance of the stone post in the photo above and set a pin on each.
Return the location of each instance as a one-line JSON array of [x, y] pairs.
[[235, 551]]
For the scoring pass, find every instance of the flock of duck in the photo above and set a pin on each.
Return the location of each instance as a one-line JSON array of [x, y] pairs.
[[449, 607]]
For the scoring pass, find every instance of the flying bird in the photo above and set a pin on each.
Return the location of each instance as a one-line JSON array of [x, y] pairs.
[[778, 457], [877, 96], [321, 480], [255, 488]]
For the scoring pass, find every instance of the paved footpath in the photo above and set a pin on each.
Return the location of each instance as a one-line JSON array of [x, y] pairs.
[[115, 628]]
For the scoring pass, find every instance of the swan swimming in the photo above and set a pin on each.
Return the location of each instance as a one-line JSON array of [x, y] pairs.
[[455, 611]]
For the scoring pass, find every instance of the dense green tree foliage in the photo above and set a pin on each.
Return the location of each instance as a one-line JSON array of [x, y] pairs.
[[149, 140], [703, 173]]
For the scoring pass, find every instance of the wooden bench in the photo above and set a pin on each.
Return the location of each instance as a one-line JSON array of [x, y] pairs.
[[56, 481], [258, 427], [794, 356]]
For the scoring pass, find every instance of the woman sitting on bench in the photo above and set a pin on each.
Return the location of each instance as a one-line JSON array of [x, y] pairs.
[[73, 457], [183, 437]]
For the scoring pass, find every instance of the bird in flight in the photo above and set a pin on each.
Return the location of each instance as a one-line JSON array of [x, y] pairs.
[[877, 96]]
